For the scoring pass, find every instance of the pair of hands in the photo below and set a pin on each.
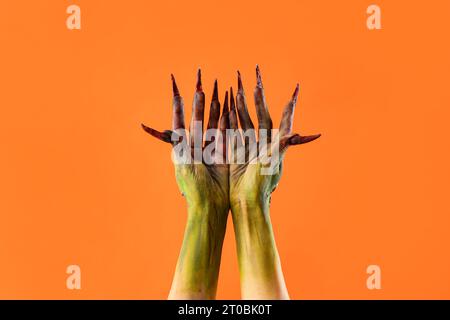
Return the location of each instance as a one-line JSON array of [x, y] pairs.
[[211, 190], [227, 184]]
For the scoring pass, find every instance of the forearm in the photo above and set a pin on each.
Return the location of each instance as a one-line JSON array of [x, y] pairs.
[[259, 262], [198, 264]]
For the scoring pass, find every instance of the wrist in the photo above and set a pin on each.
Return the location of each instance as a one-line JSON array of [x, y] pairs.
[[250, 208], [198, 265], [207, 211], [259, 262]]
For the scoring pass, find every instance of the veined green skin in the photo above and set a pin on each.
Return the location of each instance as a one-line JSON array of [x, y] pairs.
[[206, 191], [210, 192], [259, 263]]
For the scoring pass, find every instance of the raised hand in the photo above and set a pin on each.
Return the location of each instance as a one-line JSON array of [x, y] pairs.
[[250, 192], [206, 189]]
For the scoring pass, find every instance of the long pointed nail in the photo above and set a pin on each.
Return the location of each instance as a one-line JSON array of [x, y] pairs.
[[258, 77], [295, 95], [174, 86], [199, 80], [240, 87], [225, 104], [146, 129], [297, 139], [151, 131], [232, 105], [215, 92], [165, 136]]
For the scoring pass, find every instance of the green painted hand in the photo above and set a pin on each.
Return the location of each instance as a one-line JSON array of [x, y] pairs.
[[213, 187], [251, 189], [205, 187]]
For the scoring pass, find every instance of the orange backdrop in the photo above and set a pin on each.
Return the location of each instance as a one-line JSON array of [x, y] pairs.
[[81, 183]]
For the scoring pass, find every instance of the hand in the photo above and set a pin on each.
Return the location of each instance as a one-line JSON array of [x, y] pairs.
[[198, 182], [206, 189], [247, 183], [250, 192]]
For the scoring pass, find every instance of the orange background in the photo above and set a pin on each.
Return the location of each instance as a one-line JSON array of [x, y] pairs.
[[81, 183]]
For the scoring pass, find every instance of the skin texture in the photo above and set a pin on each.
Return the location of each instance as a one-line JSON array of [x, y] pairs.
[[205, 188], [211, 190], [250, 194]]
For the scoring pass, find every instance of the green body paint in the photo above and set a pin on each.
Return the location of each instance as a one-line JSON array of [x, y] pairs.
[[206, 192]]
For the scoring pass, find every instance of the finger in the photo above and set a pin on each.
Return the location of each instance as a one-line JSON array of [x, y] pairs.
[[249, 136], [288, 114], [235, 139], [214, 112], [165, 136], [244, 117], [198, 108], [295, 139], [233, 116], [262, 110], [223, 126], [177, 108], [224, 119]]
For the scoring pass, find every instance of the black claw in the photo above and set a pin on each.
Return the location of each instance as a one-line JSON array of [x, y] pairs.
[[240, 87], [258, 77], [215, 92], [295, 95], [199, 80], [176, 93]]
